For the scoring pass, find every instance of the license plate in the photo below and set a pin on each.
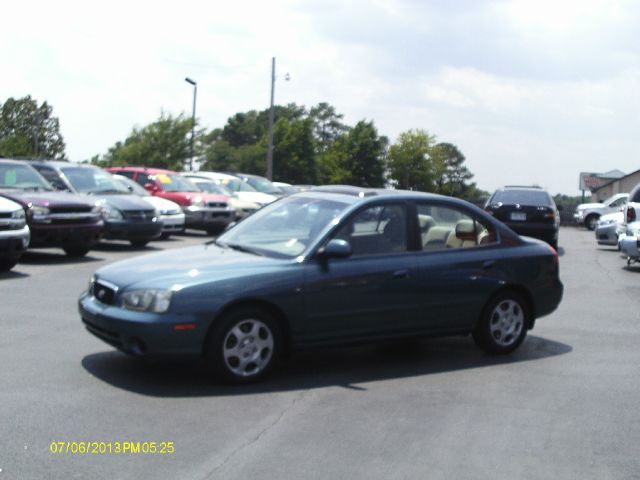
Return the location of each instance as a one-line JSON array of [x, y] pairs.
[[518, 216]]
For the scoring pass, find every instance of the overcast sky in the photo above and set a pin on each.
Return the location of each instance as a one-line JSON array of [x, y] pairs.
[[530, 91]]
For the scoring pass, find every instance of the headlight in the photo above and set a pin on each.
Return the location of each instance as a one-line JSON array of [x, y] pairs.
[[39, 214], [18, 215], [147, 300], [198, 202], [111, 213]]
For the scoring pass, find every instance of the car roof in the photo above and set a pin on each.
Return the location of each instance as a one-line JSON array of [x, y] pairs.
[[59, 164], [151, 170]]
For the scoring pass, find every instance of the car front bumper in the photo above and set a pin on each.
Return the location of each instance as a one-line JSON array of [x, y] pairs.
[[172, 223], [55, 235], [629, 247], [142, 334], [207, 217], [607, 234], [14, 242], [124, 230]]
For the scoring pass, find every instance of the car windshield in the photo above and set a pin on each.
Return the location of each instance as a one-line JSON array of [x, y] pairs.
[[236, 185], [522, 197], [285, 228], [24, 177], [263, 185], [92, 180], [212, 187], [172, 182], [130, 185]]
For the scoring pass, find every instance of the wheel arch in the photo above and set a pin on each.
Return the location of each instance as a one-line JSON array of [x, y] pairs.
[[276, 312], [520, 290]]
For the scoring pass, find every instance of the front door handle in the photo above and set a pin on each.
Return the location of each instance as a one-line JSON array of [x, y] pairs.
[[398, 274], [488, 264]]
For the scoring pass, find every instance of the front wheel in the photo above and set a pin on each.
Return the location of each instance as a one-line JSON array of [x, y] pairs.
[[503, 324], [243, 346], [7, 264], [591, 222], [76, 251]]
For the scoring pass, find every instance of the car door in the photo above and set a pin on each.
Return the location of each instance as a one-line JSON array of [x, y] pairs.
[[459, 266], [373, 291]]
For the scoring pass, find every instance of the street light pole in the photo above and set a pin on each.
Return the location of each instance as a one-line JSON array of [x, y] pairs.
[[193, 119], [270, 146]]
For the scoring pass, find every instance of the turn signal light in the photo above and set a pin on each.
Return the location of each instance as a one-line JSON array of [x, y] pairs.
[[184, 326]]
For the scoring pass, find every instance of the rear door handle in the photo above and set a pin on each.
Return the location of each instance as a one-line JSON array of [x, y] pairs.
[[398, 274], [488, 264]]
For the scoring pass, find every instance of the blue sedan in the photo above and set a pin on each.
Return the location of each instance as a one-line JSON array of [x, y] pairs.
[[331, 265]]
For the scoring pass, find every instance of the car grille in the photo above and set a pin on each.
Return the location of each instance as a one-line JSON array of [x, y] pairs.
[[139, 215], [104, 293], [217, 204], [71, 215], [5, 215], [70, 209]]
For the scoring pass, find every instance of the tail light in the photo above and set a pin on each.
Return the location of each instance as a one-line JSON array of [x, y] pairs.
[[631, 214]]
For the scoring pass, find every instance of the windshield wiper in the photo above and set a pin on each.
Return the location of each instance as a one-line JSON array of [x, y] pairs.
[[35, 188], [242, 248], [108, 190]]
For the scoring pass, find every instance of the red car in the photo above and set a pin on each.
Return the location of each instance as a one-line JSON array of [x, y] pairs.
[[203, 211]]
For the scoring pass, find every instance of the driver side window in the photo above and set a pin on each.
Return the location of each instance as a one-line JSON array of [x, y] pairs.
[[376, 230]]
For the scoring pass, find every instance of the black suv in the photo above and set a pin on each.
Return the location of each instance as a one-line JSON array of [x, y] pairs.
[[526, 210]]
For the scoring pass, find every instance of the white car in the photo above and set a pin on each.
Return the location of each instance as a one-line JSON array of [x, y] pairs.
[[609, 228], [628, 243], [242, 207], [14, 233], [171, 214], [589, 213], [241, 189]]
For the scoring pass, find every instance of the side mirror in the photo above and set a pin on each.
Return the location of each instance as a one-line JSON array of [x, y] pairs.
[[336, 248], [230, 226], [151, 187]]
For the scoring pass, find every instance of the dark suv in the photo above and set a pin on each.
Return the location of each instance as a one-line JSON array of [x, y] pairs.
[[56, 219], [527, 211]]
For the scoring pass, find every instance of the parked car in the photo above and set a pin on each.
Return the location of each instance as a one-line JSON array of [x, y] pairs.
[[527, 211], [242, 207], [588, 214], [126, 216], [242, 190], [631, 209], [286, 188], [14, 233], [56, 219], [609, 228], [260, 184], [629, 242], [203, 211], [328, 266], [171, 214]]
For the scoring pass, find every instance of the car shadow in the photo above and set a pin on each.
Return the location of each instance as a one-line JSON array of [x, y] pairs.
[[346, 367], [31, 257], [13, 274], [106, 246]]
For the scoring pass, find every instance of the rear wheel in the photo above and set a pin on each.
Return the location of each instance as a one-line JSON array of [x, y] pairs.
[[243, 345], [504, 323]]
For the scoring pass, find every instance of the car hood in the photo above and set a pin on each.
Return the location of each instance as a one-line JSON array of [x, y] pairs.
[[185, 266], [48, 199], [615, 216], [162, 204], [584, 206], [7, 205], [124, 202], [256, 197]]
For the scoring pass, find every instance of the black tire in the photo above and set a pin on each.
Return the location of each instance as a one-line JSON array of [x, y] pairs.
[[591, 222], [139, 243], [7, 264], [165, 235], [76, 251], [504, 323], [260, 340]]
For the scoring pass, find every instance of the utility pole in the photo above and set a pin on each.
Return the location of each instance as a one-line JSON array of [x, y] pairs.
[[193, 119], [270, 146]]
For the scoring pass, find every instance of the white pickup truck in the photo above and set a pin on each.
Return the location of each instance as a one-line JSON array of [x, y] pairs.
[[589, 213], [14, 233]]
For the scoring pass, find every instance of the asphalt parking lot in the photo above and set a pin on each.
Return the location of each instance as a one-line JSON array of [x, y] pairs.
[[565, 405]]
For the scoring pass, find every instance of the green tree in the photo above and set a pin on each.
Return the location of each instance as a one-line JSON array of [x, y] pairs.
[[364, 155], [164, 143], [450, 173], [294, 151], [327, 125], [409, 161], [29, 130]]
